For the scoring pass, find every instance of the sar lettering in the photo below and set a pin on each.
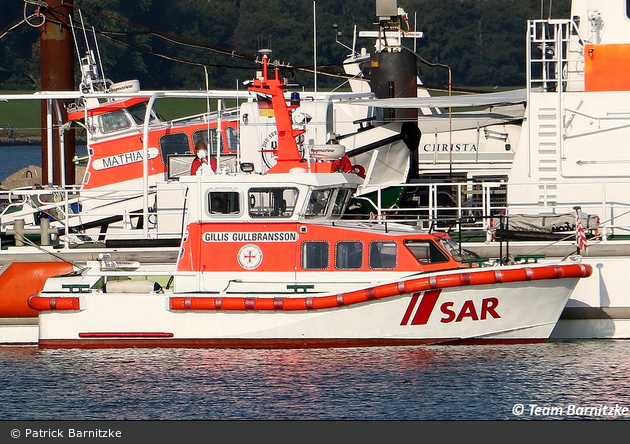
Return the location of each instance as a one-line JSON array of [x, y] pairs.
[[469, 310]]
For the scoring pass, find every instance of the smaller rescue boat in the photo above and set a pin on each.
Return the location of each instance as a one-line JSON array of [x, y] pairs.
[[267, 261]]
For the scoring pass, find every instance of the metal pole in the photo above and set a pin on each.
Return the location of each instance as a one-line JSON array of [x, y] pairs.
[[219, 135], [62, 145], [315, 69], [145, 166], [49, 142]]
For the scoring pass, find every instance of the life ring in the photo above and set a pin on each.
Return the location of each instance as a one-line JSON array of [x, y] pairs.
[[359, 170]]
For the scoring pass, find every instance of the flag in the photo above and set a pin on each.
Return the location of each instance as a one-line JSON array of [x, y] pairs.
[[265, 106], [580, 237]]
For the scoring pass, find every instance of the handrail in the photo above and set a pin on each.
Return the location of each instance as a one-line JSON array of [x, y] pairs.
[[470, 206]]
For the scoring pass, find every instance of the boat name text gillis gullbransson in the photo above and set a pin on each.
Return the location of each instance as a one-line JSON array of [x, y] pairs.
[[288, 236]]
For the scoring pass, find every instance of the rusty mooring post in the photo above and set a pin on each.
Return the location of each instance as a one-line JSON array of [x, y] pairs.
[[57, 74]]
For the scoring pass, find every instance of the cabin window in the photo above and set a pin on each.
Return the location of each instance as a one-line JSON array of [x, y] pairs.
[[315, 255], [317, 203], [349, 255], [223, 202], [340, 201], [174, 143], [383, 255], [453, 249], [138, 111], [426, 251], [231, 139], [114, 121], [271, 202], [210, 137]]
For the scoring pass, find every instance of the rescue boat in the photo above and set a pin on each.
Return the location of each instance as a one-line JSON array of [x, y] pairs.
[[268, 261]]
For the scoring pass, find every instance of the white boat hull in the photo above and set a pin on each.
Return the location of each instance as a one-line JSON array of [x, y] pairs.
[[19, 331], [509, 312]]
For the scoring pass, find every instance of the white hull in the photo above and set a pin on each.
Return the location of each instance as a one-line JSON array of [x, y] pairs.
[[82, 253], [19, 331], [514, 312]]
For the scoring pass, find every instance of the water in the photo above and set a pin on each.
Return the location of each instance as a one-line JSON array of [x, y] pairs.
[[14, 158], [388, 383]]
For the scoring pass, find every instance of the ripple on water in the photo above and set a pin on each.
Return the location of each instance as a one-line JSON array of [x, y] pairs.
[[394, 383]]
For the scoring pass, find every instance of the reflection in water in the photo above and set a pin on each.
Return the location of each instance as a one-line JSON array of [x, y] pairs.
[[404, 383]]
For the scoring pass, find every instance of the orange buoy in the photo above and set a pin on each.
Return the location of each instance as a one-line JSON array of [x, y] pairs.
[[42, 303]]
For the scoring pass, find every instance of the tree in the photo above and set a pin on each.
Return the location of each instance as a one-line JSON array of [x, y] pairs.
[[167, 43]]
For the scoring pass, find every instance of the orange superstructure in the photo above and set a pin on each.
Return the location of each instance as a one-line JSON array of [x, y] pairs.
[[607, 67]]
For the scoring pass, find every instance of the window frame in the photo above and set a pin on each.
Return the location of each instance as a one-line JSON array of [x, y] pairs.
[[371, 256], [304, 255], [226, 191], [361, 253]]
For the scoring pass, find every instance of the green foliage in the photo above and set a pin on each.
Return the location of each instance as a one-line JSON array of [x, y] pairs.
[[167, 43], [24, 115]]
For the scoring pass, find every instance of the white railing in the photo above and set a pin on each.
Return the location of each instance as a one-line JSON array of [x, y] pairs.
[[472, 206], [455, 206], [97, 215], [555, 53]]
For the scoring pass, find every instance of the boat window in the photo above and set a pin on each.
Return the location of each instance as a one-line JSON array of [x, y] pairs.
[[223, 202], [271, 202], [315, 255], [174, 143], [138, 111], [341, 198], [383, 255], [426, 251], [317, 203], [231, 138], [453, 249], [349, 255], [209, 136], [114, 121]]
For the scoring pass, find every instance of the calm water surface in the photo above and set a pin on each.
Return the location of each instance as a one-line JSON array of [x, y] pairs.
[[14, 158], [392, 383]]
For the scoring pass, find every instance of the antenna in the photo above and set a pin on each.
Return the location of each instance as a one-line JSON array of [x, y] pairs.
[[74, 37], [315, 67], [87, 45], [315, 45], [98, 55]]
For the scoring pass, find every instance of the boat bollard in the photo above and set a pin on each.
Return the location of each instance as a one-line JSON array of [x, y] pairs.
[[19, 231], [18, 228]]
